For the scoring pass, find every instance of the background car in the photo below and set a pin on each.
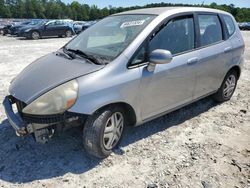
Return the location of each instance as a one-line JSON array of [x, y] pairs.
[[9, 23], [2, 25], [244, 26], [58, 28], [6, 28], [78, 26], [14, 28]]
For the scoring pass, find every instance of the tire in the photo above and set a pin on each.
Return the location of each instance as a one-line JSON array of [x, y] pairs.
[[35, 35], [68, 33], [96, 141], [229, 81]]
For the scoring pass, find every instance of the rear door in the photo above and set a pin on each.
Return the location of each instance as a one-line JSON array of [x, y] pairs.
[[214, 53], [60, 27]]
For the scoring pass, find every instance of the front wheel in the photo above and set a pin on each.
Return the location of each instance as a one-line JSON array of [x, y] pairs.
[[35, 35], [103, 131], [227, 88]]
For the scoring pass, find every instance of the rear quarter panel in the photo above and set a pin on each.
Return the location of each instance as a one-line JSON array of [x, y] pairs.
[[238, 47]]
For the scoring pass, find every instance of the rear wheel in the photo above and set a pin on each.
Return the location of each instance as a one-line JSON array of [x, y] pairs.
[[35, 35], [68, 33], [103, 131], [227, 88]]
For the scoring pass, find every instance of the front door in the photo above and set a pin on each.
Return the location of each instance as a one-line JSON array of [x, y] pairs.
[[170, 85], [50, 29]]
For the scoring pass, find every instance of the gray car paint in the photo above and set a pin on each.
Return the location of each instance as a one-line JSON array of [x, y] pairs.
[[148, 98], [169, 87], [47, 73]]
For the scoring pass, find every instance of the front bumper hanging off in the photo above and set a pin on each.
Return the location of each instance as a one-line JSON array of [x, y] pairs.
[[26, 123], [14, 118]]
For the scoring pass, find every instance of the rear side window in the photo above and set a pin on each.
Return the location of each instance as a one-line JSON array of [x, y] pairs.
[[210, 29], [59, 23], [229, 23]]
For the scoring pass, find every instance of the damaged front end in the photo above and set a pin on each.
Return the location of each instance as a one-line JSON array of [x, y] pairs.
[[42, 127]]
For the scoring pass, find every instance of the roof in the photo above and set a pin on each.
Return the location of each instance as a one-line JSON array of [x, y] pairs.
[[161, 10]]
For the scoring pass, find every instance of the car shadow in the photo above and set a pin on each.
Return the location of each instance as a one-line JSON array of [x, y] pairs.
[[23, 160]]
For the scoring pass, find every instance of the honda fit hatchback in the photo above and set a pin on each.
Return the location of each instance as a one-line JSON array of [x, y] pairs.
[[127, 69]]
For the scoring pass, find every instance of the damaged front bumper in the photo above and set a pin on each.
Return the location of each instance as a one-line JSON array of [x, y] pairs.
[[15, 119], [25, 124]]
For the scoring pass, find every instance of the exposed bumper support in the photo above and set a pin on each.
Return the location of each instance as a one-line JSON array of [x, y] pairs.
[[27, 124], [14, 118]]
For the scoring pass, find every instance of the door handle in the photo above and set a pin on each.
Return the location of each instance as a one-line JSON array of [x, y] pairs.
[[192, 61], [227, 49]]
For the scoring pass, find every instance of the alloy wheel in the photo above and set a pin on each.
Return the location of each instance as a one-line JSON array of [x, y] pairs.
[[35, 35], [113, 130], [229, 86]]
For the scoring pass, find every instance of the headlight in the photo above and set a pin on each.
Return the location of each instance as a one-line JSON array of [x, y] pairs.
[[55, 101], [27, 30]]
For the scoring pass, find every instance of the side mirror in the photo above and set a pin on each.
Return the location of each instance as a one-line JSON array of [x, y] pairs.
[[159, 56]]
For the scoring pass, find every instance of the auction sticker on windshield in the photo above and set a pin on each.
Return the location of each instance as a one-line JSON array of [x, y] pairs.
[[132, 23]]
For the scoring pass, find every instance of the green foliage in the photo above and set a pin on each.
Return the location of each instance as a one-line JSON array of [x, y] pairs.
[[54, 9]]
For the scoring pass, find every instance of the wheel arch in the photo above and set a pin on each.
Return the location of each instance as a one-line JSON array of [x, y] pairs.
[[237, 69], [129, 111], [36, 30]]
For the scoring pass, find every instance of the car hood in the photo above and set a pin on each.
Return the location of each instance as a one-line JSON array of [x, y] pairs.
[[30, 27], [47, 73], [17, 26]]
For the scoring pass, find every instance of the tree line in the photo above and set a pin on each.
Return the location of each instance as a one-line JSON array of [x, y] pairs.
[[56, 9]]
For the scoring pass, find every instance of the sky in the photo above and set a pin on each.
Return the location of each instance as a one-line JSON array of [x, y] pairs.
[[127, 3]]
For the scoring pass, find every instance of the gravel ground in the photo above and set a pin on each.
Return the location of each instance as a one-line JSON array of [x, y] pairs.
[[202, 145]]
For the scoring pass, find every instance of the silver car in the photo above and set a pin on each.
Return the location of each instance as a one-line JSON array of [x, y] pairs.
[[127, 69]]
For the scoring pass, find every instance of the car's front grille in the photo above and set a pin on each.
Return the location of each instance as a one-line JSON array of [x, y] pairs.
[[44, 119], [56, 118]]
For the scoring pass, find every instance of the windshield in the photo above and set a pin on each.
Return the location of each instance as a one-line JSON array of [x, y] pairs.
[[35, 22], [110, 36]]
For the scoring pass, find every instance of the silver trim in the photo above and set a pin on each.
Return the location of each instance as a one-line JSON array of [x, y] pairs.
[[113, 130]]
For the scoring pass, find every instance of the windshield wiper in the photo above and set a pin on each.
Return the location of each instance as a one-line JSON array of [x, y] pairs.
[[84, 55], [67, 56], [68, 53]]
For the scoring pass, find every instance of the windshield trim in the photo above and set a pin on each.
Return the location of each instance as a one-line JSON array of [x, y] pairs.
[[153, 16]]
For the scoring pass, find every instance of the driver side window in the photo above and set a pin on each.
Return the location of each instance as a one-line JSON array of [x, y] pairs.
[[51, 24], [177, 36]]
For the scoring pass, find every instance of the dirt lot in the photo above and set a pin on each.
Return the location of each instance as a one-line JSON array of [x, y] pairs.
[[202, 145]]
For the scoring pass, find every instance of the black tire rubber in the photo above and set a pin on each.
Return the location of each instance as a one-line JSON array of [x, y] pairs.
[[94, 128], [218, 96]]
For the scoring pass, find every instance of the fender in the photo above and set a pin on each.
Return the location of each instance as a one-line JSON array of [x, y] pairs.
[[103, 89]]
